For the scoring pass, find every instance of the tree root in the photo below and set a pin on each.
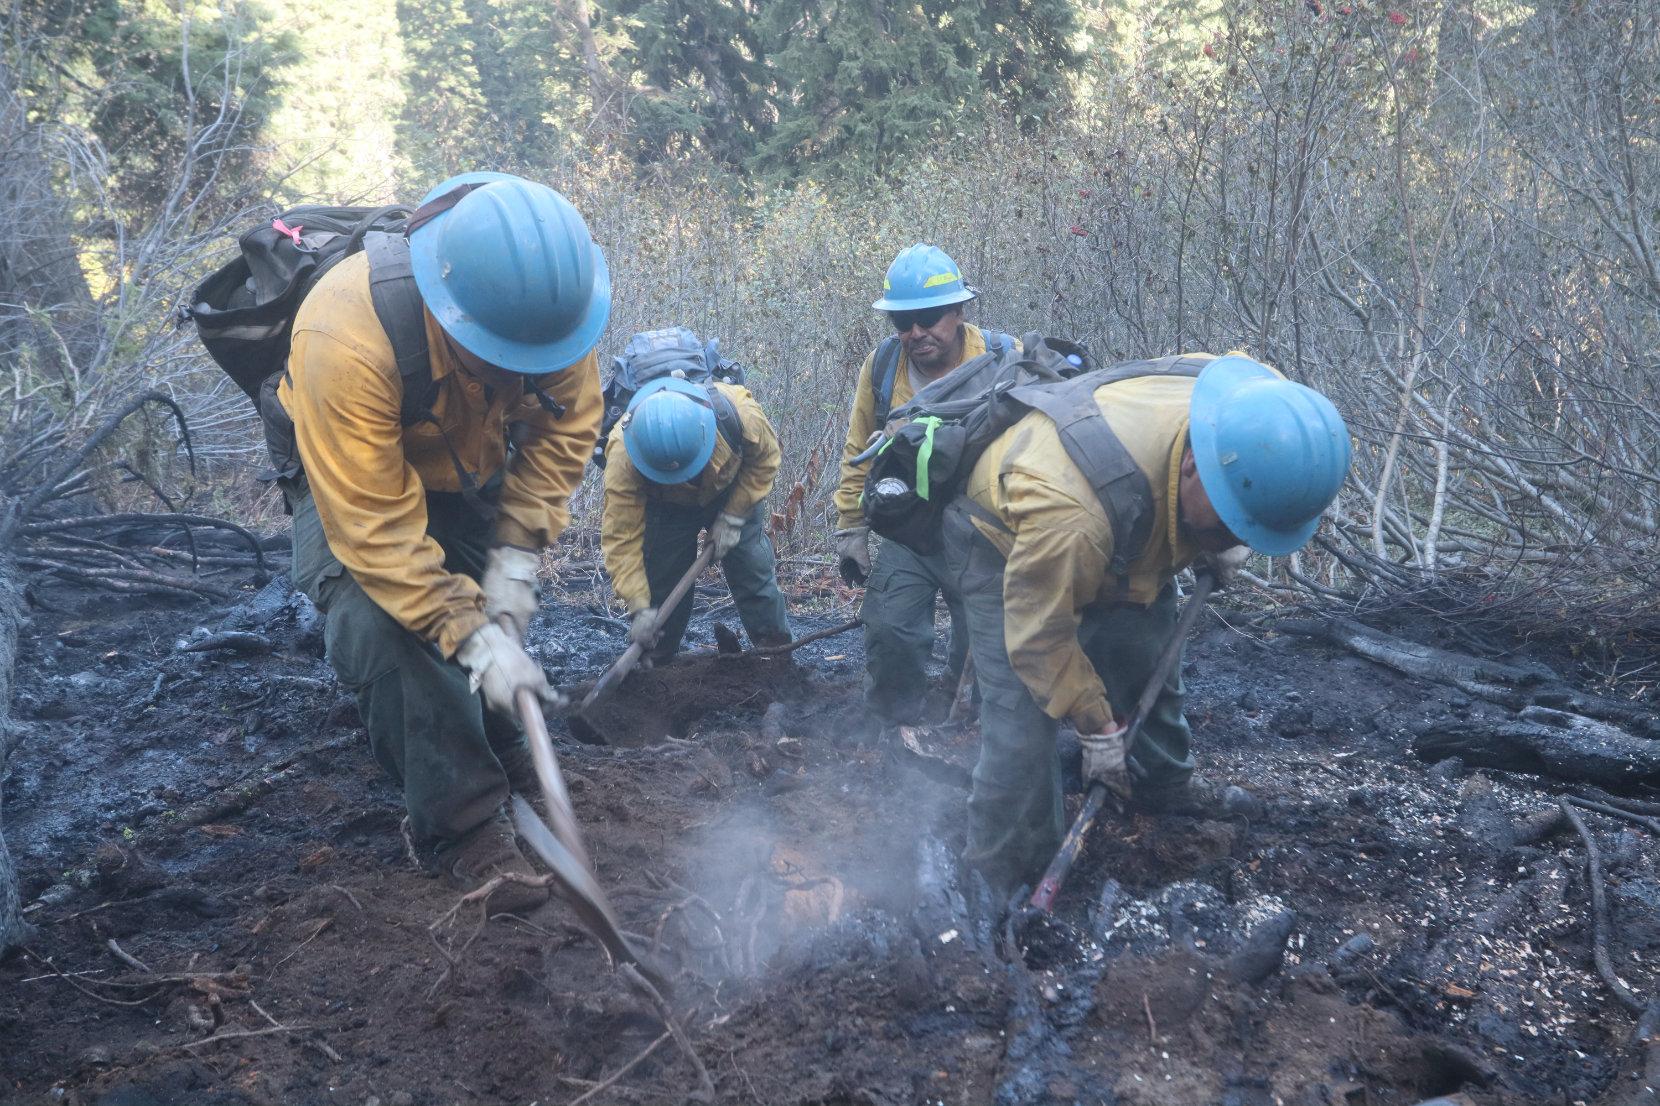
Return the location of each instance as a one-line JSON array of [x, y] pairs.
[[631, 975], [1599, 915]]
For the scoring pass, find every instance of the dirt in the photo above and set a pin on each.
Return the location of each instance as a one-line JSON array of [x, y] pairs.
[[216, 817]]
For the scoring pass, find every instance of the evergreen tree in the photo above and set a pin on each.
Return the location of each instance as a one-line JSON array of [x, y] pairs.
[[869, 82], [700, 75], [118, 68]]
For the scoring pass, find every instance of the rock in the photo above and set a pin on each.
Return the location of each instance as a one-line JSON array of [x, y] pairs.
[[1451, 768], [401, 1098], [1263, 951], [772, 722], [1237, 800], [1293, 720], [1346, 954], [1249, 702]]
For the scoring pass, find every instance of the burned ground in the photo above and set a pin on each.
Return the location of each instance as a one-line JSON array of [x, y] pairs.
[[212, 853]]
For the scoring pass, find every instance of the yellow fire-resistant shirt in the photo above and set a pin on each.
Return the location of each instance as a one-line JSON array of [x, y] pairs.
[[862, 423], [369, 475], [627, 492], [1059, 543]]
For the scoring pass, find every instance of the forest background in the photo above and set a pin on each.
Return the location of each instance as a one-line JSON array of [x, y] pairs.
[[1444, 214]]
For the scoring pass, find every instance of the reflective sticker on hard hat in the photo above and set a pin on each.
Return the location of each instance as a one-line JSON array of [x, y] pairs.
[[939, 278], [1229, 457]]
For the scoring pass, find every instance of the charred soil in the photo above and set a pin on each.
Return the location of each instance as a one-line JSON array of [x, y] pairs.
[[224, 910]]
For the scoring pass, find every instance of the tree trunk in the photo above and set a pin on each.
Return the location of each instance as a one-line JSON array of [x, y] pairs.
[[11, 616]]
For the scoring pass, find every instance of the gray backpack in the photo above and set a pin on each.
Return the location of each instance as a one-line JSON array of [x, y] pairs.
[[919, 469], [655, 353]]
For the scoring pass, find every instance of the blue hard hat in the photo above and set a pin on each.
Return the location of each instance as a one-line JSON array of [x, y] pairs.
[[512, 273], [922, 276], [1271, 453], [669, 430]]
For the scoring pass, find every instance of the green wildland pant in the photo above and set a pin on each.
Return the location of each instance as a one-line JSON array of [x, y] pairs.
[[898, 615], [751, 570], [1016, 818], [427, 727]]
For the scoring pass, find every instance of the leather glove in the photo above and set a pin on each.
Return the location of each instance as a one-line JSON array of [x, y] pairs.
[[1104, 759], [853, 554], [642, 628], [499, 667], [1225, 566], [724, 534], [510, 586]]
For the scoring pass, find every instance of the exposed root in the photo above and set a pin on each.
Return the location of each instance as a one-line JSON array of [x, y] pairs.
[[1599, 916], [610, 1080], [706, 1086]]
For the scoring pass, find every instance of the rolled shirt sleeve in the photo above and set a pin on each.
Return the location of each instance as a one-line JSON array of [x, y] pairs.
[[371, 502], [623, 526], [1054, 569], [761, 455], [860, 425], [546, 469]]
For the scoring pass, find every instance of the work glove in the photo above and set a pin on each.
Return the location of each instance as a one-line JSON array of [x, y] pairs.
[[499, 667], [1226, 565], [724, 534], [510, 586], [853, 554], [1104, 759], [642, 628]]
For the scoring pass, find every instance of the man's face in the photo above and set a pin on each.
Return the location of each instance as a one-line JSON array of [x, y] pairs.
[[1198, 518], [931, 336]]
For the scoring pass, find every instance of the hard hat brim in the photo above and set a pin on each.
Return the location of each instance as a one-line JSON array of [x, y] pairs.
[[530, 358], [939, 299], [671, 476], [1217, 385]]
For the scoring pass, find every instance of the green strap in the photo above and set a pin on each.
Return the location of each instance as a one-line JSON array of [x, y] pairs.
[[926, 452]]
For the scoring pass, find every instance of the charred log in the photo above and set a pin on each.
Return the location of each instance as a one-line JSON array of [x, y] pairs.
[[1549, 743]]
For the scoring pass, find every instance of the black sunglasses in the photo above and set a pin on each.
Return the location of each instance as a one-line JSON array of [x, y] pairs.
[[924, 317]]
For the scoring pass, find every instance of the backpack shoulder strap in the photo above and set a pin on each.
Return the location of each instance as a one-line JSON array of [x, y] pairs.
[[884, 370], [727, 420], [1119, 483], [398, 307], [996, 341], [1123, 489]]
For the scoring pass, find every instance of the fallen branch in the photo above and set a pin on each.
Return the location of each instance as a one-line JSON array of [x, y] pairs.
[[129, 580], [1650, 824], [132, 519], [319, 1045], [791, 646], [1509, 685], [237, 1034], [236, 641], [1599, 916], [622, 1071], [50, 486], [126, 957]]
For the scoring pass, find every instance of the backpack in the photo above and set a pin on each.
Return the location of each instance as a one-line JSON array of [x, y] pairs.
[[923, 465], [244, 311], [655, 353], [884, 368]]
